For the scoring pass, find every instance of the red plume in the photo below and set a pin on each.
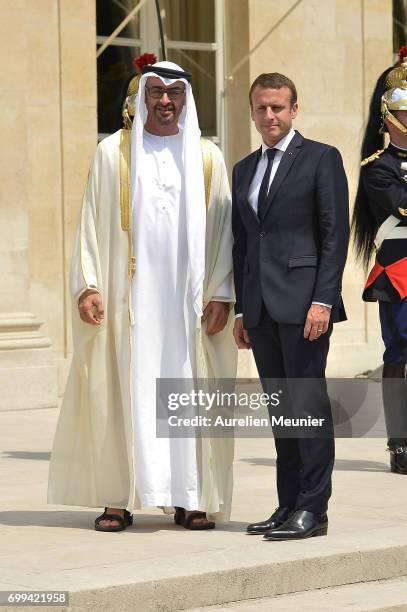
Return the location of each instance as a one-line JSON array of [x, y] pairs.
[[147, 59], [402, 53]]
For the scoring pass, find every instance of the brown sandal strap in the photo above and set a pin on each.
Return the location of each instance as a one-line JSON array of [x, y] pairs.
[[196, 514], [110, 517], [180, 518], [123, 521]]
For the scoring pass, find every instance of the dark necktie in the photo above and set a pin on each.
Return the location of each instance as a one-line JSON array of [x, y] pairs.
[[262, 201]]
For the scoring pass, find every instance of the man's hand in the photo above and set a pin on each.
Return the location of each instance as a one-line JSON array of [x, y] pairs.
[[216, 313], [317, 321], [91, 307], [240, 334]]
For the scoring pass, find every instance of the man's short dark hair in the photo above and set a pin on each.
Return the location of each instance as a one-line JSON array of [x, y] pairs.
[[274, 80]]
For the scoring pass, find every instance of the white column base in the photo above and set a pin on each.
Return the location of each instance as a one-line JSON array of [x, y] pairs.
[[28, 376]]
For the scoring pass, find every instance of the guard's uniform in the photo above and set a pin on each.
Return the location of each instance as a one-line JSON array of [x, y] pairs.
[[380, 221], [384, 178], [385, 181]]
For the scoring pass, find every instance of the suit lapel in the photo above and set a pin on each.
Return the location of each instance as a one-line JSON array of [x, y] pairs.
[[289, 157], [248, 177]]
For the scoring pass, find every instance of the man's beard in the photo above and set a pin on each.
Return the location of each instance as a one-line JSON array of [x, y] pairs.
[[165, 120]]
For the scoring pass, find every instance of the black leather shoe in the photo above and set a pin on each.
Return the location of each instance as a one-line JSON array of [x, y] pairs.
[[301, 524], [276, 519], [398, 459]]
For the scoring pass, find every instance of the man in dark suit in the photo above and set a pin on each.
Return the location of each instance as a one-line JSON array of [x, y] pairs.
[[291, 232]]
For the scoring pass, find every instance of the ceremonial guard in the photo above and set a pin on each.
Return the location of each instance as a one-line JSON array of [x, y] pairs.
[[380, 223]]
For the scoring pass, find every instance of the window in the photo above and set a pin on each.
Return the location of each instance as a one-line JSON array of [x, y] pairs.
[[190, 27], [115, 66]]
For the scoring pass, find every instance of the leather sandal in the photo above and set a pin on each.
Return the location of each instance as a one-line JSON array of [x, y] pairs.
[[124, 521], [180, 518]]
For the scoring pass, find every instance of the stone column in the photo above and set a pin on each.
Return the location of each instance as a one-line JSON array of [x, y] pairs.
[[27, 367]]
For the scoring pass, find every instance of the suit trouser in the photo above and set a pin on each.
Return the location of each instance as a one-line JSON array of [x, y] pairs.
[[304, 464]]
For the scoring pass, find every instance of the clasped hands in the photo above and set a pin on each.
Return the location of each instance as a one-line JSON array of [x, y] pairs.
[[316, 324], [91, 311]]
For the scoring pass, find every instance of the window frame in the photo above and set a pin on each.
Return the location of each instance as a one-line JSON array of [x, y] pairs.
[[216, 47]]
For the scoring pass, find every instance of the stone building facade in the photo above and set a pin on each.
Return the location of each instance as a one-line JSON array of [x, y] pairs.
[[333, 49]]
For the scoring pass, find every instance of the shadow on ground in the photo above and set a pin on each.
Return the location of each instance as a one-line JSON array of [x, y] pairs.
[[143, 523], [37, 456], [345, 465]]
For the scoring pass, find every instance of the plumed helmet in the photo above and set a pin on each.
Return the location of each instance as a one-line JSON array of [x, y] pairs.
[[395, 95]]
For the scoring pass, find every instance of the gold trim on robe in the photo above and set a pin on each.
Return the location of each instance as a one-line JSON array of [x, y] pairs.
[[125, 194], [208, 166]]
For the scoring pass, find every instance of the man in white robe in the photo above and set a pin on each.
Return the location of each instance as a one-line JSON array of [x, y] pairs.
[[150, 264]]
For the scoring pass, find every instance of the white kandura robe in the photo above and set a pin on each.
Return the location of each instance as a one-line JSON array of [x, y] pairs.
[[164, 322], [94, 462]]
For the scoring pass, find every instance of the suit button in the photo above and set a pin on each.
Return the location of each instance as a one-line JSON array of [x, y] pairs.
[[262, 234]]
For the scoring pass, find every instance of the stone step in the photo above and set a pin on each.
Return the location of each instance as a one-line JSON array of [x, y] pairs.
[[156, 566], [375, 596], [186, 581]]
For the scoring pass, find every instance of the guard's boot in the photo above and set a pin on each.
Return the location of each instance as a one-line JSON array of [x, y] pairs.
[[394, 387], [398, 457]]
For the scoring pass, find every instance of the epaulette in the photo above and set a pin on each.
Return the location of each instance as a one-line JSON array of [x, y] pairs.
[[371, 158]]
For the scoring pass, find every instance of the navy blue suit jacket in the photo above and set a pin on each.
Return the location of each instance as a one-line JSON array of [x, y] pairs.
[[297, 254]]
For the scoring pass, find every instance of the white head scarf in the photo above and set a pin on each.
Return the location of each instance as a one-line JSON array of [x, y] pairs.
[[193, 175]]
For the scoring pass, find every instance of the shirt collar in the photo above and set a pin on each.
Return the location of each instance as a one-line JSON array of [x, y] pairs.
[[282, 144], [397, 147]]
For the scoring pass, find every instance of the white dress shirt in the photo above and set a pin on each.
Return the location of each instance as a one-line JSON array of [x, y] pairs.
[[254, 189], [253, 195]]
